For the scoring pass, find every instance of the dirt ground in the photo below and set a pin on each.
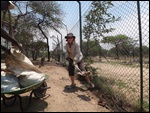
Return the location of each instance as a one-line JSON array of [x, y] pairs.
[[58, 98]]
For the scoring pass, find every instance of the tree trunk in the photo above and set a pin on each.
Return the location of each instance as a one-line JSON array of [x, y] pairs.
[[48, 51]]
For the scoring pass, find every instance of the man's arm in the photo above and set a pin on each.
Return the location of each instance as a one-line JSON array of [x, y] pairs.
[[78, 55]]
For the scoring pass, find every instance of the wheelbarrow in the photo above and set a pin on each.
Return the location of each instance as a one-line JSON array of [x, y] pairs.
[[39, 90]]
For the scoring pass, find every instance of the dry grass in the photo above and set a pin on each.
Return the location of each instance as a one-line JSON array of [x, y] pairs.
[[125, 80]]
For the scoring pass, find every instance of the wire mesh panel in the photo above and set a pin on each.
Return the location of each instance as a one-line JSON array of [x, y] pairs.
[[120, 68]]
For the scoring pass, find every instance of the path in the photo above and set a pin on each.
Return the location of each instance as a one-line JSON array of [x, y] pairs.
[[60, 99]]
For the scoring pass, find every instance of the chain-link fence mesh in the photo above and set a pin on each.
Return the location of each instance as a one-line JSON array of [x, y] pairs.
[[125, 70]]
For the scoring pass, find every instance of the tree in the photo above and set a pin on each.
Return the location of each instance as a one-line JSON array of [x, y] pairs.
[[97, 19], [38, 16], [123, 44], [92, 49], [36, 48]]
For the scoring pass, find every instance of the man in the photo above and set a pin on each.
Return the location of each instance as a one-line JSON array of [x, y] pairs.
[[75, 57]]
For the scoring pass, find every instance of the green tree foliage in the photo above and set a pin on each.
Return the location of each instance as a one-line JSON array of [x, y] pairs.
[[35, 18], [36, 48], [124, 45], [145, 51], [47, 13], [97, 20], [92, 49]]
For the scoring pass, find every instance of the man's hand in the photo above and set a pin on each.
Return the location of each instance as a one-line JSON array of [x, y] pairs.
[[74, 63], [68, 58]]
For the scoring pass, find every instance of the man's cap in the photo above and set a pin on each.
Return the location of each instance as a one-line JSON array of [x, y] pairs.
[[69, 35]]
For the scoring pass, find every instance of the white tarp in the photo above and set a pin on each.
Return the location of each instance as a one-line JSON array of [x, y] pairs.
[[22, 68], [9, 82]]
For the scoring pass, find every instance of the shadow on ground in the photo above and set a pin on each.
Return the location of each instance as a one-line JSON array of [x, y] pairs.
[[76, 89], [35, 105]]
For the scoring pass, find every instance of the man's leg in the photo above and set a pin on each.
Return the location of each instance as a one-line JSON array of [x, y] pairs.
[[71, 75], [82, 68], [72, 79]]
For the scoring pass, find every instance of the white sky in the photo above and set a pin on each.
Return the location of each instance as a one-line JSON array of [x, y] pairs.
[[127, 26], [71, 17]]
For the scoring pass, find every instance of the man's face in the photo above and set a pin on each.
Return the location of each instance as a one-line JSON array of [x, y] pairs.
[[70, 39]]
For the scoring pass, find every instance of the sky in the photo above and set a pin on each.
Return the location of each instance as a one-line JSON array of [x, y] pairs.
[[71, 9], [71, 17], [127, 25]]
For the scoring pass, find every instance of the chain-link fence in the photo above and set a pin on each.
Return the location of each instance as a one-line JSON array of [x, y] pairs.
[[124, 70], [123, 65]]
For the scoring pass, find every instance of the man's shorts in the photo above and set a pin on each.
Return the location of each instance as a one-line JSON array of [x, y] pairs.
[[71, 67]]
